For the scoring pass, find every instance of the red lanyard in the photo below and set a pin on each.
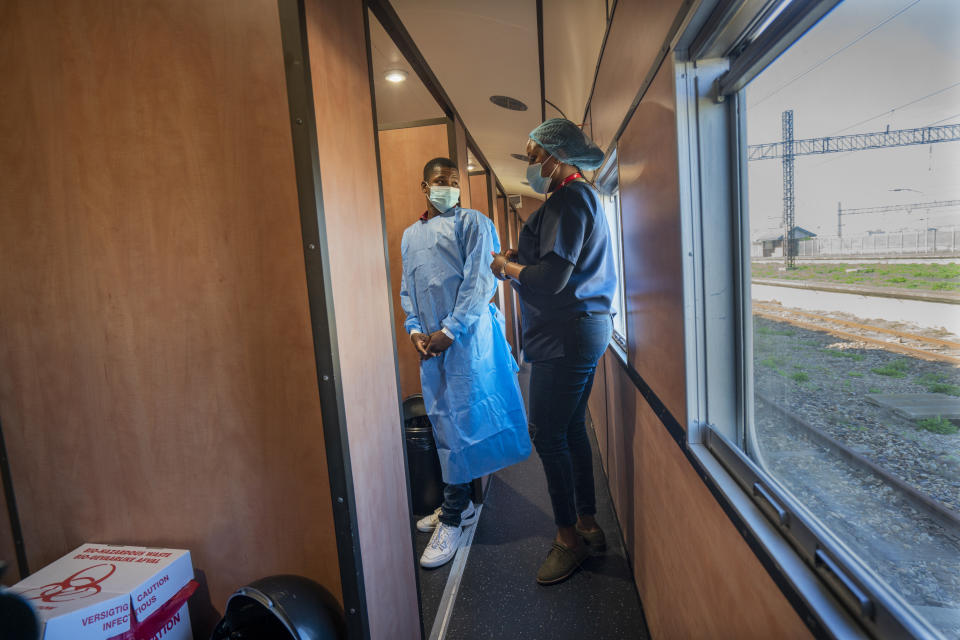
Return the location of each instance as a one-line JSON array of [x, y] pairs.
[[569, 178]]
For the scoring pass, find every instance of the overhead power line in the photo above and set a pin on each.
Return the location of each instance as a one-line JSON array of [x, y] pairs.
[[905, 104], [913, 206], [956, 115], [835, 53]]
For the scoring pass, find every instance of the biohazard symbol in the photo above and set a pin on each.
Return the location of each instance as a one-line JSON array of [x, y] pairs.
[[83, 584]]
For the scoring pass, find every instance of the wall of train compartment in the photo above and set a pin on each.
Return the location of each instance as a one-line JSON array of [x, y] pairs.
[[696, 575]]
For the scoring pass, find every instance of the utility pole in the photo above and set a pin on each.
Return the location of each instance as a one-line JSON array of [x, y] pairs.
[[839, 223], [788, 149], [789, 259]]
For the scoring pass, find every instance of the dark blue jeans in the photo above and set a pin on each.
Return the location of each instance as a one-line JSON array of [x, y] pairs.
[[559, 390], [456, 497]]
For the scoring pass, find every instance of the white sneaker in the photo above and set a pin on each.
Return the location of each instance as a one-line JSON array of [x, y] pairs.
[[467, 517], [443, 546]]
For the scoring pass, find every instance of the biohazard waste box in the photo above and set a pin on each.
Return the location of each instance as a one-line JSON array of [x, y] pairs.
[[101, 592]]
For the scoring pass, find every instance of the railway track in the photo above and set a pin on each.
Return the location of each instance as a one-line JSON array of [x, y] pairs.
[[944, 516], [911, 344]]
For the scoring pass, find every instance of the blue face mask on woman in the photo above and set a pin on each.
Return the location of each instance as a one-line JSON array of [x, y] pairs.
[[444, 198], [539, 183]]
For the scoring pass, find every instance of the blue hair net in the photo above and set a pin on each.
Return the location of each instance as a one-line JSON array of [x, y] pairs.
[[568, 143]]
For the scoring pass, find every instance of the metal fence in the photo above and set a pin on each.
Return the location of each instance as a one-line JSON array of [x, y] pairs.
[[937, 242]]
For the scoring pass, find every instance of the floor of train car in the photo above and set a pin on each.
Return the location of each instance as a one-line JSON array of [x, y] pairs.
[[498, 596]]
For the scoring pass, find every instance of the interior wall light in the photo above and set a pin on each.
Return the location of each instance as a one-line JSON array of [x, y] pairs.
[[395, 75]]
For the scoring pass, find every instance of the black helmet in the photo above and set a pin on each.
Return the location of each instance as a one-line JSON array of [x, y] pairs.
[[281, 607]]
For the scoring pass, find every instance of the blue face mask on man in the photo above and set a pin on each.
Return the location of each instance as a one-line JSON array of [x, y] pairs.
[[540, 183], [444, 198]]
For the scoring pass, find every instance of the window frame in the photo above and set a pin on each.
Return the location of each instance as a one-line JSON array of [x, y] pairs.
[[844, 596], [607, 182]]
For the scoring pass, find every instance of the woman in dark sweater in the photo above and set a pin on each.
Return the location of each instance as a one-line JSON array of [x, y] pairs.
[[564, 273]]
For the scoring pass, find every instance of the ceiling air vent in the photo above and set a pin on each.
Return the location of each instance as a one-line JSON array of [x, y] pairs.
[[515, 201], [508, 103]]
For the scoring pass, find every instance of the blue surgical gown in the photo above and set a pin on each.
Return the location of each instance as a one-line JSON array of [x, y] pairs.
[[470, 390]]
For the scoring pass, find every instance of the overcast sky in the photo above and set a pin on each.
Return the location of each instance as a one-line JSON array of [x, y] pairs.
[[837, 84]]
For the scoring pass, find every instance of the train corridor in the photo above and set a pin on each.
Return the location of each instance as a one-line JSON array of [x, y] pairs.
[[204, 344], [488, 590]]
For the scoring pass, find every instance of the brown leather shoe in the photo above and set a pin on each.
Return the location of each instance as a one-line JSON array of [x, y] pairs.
[[594, 539], [561, 562]]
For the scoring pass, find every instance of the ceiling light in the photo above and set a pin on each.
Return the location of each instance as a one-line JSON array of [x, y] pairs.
[[395, 75], [471, 166], [519, 156], [508, 103]]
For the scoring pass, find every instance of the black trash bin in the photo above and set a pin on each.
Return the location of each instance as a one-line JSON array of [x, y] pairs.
[[17, 619], [284, 607], [423, 464]]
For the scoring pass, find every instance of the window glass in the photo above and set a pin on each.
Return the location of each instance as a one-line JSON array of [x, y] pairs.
[[607, 182], [855, 282]]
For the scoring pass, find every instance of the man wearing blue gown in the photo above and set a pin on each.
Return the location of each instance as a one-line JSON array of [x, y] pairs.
[[467, 372]]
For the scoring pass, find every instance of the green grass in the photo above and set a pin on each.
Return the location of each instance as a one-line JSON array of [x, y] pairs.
[[854, 374], [938, 425], [937, 383], [766, 330], [895, 369], [873, 390], [799, 376], [836, 353], [931, 277], [774, 362], [944, 387]]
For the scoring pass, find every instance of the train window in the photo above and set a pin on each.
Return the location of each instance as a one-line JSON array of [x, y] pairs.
[[607, 182], [851, 150]]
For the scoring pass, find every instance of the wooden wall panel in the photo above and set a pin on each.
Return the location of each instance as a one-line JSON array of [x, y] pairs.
[[491, 195], [480, 193], [403, 152], [597, 406], [650, 210], [460, 157], [157, 378], [513, 233], [8, 552], [696, 576], [507, 302], [361, 293], [529, 206], [621, 434], [638, 31]]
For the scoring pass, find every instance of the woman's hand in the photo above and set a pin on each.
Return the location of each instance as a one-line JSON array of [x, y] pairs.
[[499, 259]]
